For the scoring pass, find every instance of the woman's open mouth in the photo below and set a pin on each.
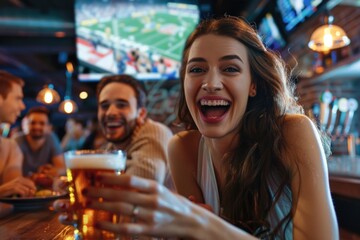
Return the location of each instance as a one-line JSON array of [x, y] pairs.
[[213, 110]]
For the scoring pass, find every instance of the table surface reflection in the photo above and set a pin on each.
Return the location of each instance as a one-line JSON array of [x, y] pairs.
[[41, 224], [344, 176]]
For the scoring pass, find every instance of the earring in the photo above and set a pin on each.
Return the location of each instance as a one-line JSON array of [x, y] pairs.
[[252, 93]]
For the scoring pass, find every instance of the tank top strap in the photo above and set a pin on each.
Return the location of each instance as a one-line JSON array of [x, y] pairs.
[[206, 177]]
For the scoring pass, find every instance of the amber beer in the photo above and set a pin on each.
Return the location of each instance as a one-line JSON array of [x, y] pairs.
[[82, 167]]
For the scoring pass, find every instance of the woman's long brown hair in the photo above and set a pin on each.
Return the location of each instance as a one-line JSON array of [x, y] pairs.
[[246, 199]]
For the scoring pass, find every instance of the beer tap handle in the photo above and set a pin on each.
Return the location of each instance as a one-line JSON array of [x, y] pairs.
[[343, 108], [325, 98], [352, 106], [334, 111]]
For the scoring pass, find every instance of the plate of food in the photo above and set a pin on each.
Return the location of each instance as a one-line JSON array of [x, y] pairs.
[[42, 198]]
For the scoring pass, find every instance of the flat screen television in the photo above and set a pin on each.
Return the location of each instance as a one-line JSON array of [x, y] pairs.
[[293, 12], [143, 38], [270, 32]]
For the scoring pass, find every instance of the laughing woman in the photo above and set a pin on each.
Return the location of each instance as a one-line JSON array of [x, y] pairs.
[[249, 153]]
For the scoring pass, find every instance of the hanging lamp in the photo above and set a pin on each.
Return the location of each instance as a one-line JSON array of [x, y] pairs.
[[328, 37], [68, 106], [48, 95]]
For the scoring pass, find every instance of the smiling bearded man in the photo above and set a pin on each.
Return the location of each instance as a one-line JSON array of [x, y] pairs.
[[123, 119]]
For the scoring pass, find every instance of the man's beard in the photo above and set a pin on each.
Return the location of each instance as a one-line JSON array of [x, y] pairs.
[[128, 128], [37, 136], [123, 139]]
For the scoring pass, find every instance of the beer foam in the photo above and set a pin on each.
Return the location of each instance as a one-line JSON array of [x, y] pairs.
[[95, 161]]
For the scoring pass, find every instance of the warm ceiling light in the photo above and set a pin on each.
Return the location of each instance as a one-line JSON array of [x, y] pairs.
[[68, 106], [328, 37], [48, 95], [83, 95]]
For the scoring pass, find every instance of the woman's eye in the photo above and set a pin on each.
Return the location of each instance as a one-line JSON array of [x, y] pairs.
[[196, 70], [231, 69]]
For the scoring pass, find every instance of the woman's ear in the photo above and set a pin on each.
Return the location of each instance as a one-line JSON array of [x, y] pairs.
[[252, 91], [141, 116]]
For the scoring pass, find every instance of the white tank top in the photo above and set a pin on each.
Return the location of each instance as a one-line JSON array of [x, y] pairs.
[[206, 178], [207, 182]]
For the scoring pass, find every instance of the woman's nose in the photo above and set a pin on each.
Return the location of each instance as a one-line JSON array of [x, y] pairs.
[[212, 82]]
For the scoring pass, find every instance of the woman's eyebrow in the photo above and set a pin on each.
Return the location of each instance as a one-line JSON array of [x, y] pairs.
[[231, 57], [196, 59], [224, 58]]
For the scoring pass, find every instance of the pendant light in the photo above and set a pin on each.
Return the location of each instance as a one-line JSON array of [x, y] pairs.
[[328, 37], [48, 95], [68, 106]]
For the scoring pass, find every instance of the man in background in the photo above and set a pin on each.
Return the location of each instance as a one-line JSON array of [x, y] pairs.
[[122, 117], [11, 104], [41, 149], [123, 120]]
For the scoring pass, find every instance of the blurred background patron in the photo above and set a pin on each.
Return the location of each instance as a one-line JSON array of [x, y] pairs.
[[41, 147], [11, 105], [75, 135]]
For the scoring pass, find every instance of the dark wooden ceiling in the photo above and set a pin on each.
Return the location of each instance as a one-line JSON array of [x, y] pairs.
[[31, 48]]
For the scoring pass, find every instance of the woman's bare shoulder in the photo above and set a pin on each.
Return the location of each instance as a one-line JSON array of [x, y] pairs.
[[183, 155], [302, 139], [296, 126], [188, 140]]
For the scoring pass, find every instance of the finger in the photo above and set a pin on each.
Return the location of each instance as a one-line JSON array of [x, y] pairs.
[[114, 207], [30, 192], [141, 214], [28, 183], [61, 205], [123, 195], [124, 209], [128, 181], [21, 190]]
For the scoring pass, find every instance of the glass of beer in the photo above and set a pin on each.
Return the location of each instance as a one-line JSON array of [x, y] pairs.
[[82, 167]]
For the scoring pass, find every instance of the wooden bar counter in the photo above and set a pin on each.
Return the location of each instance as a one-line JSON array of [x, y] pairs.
[[344, 175], [39, 224]]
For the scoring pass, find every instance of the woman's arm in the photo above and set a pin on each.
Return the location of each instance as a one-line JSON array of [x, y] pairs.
[[314, 216], [161, 213]]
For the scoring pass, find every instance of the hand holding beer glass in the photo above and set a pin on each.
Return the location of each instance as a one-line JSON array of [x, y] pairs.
[[82, 167]]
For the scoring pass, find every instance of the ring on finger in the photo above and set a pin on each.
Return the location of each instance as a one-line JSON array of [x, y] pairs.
[[135, 213]]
